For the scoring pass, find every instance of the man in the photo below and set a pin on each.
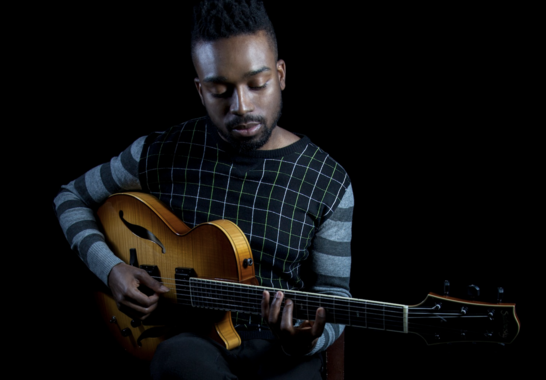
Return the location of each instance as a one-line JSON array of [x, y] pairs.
[[292, 201]]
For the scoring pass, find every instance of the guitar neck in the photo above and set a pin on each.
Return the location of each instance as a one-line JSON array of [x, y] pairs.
[[213, 294]]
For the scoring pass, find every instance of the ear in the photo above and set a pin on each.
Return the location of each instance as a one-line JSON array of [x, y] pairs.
[[199, 89], [281, 71]]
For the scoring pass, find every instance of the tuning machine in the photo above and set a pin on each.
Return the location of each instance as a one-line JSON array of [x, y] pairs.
[[500, 294], [473, 291], [446, 287], [491, 314]]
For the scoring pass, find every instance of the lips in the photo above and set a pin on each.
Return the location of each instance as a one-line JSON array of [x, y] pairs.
[[249, 129]]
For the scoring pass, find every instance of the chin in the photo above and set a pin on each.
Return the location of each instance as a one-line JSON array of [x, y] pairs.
[[255, 143]]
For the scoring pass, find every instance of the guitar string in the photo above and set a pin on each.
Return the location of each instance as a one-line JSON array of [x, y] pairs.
[[383, 323], [379, 322], [386, 324], [256, 295], [254, 300], [369, 315], [320, 299]]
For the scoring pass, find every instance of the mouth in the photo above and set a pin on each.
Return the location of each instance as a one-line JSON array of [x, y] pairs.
[[247, 130]]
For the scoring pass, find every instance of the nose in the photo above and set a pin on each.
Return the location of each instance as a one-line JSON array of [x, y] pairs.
[[240, 102]]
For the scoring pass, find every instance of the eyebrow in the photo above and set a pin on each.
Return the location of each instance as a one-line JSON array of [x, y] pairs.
[[222, 79]]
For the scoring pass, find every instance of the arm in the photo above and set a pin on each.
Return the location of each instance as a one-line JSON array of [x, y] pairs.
[[331, 262], [75, 205]]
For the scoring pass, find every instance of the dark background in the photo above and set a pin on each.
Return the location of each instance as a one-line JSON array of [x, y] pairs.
[[425, 108]]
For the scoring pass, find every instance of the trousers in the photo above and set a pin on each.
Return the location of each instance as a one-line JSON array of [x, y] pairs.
[[189, 356]]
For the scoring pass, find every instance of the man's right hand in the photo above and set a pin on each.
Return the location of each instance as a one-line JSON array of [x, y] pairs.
[[124, 281]]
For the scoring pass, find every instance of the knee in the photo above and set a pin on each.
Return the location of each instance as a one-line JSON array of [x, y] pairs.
[[180, 356]]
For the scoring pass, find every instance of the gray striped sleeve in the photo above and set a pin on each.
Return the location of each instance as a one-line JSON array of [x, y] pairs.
[[331, 261], [76, 202]]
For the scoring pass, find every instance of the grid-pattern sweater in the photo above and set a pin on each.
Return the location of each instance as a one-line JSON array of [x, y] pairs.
[[294, 204]]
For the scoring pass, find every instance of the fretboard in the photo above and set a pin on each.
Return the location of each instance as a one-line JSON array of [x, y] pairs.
[[220, 295]]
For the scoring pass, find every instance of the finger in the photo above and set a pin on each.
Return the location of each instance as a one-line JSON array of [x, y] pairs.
[[135, 311], [275, 308], [265, 305], [286, 321], [137, 297], [150, 282], [320, 322]]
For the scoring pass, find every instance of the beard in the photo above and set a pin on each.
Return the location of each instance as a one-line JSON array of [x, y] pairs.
[[245, 145]]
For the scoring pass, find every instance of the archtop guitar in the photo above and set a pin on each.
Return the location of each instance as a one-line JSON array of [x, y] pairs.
[[209, 270]]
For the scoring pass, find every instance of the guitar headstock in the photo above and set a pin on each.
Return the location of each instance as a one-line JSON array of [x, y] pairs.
[[443, 319]]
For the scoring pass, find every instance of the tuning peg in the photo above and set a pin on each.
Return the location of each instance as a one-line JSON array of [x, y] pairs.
[[491, 314], [446, 288], [500, 294], [473, 291]]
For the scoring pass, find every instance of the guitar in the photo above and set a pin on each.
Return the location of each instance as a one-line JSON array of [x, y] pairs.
[[210, 267]]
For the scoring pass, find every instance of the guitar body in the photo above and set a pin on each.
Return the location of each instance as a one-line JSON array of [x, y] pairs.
[[216, 250]]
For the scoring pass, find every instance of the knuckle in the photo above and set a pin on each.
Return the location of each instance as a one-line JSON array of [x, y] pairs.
[[139, 272]]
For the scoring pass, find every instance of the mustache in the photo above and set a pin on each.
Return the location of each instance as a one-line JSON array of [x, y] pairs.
[[238, 120]]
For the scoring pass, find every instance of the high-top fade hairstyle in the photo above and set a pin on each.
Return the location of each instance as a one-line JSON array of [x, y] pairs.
[[215, 19]]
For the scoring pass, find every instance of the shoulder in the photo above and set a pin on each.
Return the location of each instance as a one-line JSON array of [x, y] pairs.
[[328, 179], [327, 165], [188, 131], [283, 138]]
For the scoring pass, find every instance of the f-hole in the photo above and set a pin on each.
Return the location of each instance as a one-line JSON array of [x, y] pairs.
[[141, 232]]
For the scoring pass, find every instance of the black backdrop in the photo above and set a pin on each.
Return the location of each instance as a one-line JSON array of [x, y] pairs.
[[419, 105]]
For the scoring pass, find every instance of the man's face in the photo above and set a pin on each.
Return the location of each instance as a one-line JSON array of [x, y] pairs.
[[240, 85]]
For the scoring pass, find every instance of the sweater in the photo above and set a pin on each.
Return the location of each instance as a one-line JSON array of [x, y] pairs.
[[294, 205]]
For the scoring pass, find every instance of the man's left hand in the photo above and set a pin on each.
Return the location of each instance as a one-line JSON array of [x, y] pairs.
[[295, 340]]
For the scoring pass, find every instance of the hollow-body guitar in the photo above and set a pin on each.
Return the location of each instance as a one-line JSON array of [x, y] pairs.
[[210, 272]]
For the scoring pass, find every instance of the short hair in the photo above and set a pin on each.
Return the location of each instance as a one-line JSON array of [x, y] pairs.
[[216, 19]]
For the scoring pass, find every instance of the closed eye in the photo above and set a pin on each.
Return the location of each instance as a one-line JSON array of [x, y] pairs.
[[225, 94], [259, 87]]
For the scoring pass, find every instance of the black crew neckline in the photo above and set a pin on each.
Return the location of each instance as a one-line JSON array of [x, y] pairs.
[[272, 153]]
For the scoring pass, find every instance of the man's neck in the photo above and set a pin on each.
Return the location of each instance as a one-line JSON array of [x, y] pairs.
[[280, 138]]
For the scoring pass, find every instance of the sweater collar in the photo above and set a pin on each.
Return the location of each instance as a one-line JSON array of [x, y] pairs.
[[298, 146]]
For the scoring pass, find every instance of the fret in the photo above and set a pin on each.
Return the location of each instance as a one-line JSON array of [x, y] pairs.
[[342, 311], [334, 311], [366, 314], [383, 316], [306, 305], [349, 312]]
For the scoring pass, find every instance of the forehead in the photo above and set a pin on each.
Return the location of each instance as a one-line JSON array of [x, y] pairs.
[[233, 57]]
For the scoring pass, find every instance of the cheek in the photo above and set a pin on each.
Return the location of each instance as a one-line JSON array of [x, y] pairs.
[[267, 100], [273, 101], [214, 107]]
